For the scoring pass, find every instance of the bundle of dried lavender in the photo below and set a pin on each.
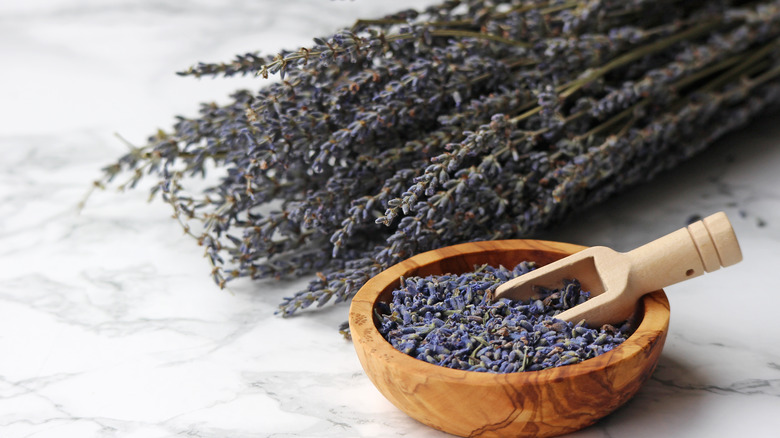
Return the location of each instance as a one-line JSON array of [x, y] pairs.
[[467, 121]]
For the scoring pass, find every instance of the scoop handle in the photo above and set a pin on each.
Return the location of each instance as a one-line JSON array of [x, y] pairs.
[[703, 246]]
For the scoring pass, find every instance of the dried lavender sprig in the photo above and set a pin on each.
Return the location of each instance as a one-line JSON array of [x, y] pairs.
[[344, 47], [572, 186], [385, 167], [370, 128], [359, 214], [680, 134], [266, 161], [256, 180], [358, 210], [368, 39], [307, 213], [415, 234], [409, 103], [367, 35], [446, 164], [690, 60], [385, 139], [478, 13], [701, 106]]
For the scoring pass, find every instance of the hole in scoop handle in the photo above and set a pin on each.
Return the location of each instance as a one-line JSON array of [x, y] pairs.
[[703, 246]]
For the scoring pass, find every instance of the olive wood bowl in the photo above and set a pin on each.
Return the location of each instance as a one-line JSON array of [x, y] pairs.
[[534, 403]]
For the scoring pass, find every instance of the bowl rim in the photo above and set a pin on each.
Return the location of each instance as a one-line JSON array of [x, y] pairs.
[[655, 319]]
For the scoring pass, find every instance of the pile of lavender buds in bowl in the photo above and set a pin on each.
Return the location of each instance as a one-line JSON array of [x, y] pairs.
[[453, 321]]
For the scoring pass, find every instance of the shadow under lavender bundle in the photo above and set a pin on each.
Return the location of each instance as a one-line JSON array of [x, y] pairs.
[[467, 121]]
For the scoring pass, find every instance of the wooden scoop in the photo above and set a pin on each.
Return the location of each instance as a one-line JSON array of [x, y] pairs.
[[617, 280]]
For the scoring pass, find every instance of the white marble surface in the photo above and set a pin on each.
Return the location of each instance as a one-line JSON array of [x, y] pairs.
[[110, 325]]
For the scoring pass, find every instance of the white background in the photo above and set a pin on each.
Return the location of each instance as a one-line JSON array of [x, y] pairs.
[[111, 326]]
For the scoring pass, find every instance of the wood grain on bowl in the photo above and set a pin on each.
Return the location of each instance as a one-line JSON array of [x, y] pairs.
[[535, 403]]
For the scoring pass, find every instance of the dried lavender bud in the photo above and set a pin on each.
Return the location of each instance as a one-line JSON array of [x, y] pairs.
[[453, 321], [469, 120]]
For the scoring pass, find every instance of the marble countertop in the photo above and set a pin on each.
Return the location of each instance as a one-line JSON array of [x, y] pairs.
[[111, 326]]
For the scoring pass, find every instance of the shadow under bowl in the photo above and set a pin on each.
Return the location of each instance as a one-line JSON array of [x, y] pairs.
[[542, 403]]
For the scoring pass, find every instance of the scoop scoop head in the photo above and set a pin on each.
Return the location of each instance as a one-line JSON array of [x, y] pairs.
[[617, 280]]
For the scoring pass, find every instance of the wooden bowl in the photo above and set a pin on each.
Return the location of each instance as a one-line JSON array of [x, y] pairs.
[[535, 403]]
